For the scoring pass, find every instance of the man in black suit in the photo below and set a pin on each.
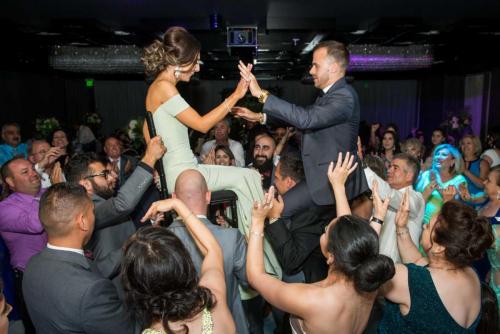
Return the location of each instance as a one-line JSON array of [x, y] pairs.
[[329, 126], [123, 165], [297, 245], [64, 291]]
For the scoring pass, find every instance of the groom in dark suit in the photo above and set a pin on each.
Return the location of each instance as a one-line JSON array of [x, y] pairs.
[[328, 126], [64, 291]]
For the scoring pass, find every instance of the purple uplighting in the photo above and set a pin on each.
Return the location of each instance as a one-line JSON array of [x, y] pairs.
[[387, 62]]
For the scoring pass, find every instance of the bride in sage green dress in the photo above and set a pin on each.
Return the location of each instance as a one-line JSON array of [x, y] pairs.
[[176, 58]]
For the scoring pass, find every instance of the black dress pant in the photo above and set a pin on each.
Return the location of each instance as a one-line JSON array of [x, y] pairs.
[[21, 305]]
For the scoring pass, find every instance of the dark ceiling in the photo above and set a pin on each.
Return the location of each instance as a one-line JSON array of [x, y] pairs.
[[460, 35]]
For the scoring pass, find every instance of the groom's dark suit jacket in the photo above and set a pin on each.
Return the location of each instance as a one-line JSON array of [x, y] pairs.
[[329, 126]]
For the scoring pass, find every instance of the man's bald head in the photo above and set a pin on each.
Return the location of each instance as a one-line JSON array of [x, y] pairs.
[[192, 189]]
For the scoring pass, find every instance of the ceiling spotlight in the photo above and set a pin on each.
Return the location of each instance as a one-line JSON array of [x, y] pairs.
[[430, 32], [358, 32], [47, 33], [121, 33], [312, 44]]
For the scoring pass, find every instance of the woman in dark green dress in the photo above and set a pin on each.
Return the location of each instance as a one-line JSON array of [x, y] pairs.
[[439, 293]]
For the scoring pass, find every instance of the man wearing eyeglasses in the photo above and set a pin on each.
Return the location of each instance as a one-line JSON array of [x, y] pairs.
[[113, 223]]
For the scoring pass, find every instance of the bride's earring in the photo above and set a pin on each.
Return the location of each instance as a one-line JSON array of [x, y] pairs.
[[498, 194], [177, 72]]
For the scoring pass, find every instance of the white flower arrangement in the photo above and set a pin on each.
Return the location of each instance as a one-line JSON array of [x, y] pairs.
[[45, 126], [93, 119]]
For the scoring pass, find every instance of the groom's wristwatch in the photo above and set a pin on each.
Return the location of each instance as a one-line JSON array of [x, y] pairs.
[[263, 96]]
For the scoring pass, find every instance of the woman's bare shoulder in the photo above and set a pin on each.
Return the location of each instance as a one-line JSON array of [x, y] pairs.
[[159, 92]]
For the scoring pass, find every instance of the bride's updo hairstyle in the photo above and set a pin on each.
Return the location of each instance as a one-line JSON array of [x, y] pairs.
[[177, 48], [355, 249]]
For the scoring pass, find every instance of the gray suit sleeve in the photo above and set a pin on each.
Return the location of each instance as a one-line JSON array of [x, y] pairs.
[[240, 260], [107, 212], [103, 312], [334, 108]]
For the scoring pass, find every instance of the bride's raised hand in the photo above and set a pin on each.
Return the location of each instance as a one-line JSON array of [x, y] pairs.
[[246, 74]]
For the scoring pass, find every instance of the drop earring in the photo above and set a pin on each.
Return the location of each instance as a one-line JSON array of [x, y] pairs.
[[177, 72]]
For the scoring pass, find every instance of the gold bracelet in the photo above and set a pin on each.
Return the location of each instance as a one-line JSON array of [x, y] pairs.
[[257, 234], [263, 96]]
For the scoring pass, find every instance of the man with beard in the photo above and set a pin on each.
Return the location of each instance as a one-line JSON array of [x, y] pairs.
[[12, 146], [329, 126], [112, 213], [263, 156]]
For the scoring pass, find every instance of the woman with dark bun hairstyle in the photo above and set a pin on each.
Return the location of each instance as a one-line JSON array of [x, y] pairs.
[[175, 58], [161, 283], [440, 293], [342, 302]]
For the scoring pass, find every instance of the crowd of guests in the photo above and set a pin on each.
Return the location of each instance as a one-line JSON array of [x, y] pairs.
[[417, 253]]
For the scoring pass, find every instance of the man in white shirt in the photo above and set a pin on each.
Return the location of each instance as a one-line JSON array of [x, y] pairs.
[[221, 134], [401, 175]]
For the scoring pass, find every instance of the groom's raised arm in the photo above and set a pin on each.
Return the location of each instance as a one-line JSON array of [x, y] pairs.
[[335, 108]]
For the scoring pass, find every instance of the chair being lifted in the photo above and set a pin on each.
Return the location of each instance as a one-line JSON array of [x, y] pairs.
[[218, 198]]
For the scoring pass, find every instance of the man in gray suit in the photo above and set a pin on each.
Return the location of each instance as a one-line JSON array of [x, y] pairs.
[[328, 126], [112, 213], [64, 291], [191, 188]]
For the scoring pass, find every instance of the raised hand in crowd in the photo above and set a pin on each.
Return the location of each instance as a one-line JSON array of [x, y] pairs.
[[360, 148], [463, 191], [380, 207], [289, 133], [430, 187], [407, 249], [50, 157], [209, 158], [448, 193], [56, 174], [337, 175]]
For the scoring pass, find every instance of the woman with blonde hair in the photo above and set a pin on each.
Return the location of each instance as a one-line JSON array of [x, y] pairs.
[[445, 174]]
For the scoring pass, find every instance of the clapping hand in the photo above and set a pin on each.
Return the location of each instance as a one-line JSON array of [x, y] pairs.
[[343, 168], [464, 193], [448, 193], [209, 158], [380, 206], [404, 210], [56, 174]]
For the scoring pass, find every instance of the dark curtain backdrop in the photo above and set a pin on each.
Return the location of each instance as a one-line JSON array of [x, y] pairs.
[[26, 96], [118, 102], [394, 101]]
